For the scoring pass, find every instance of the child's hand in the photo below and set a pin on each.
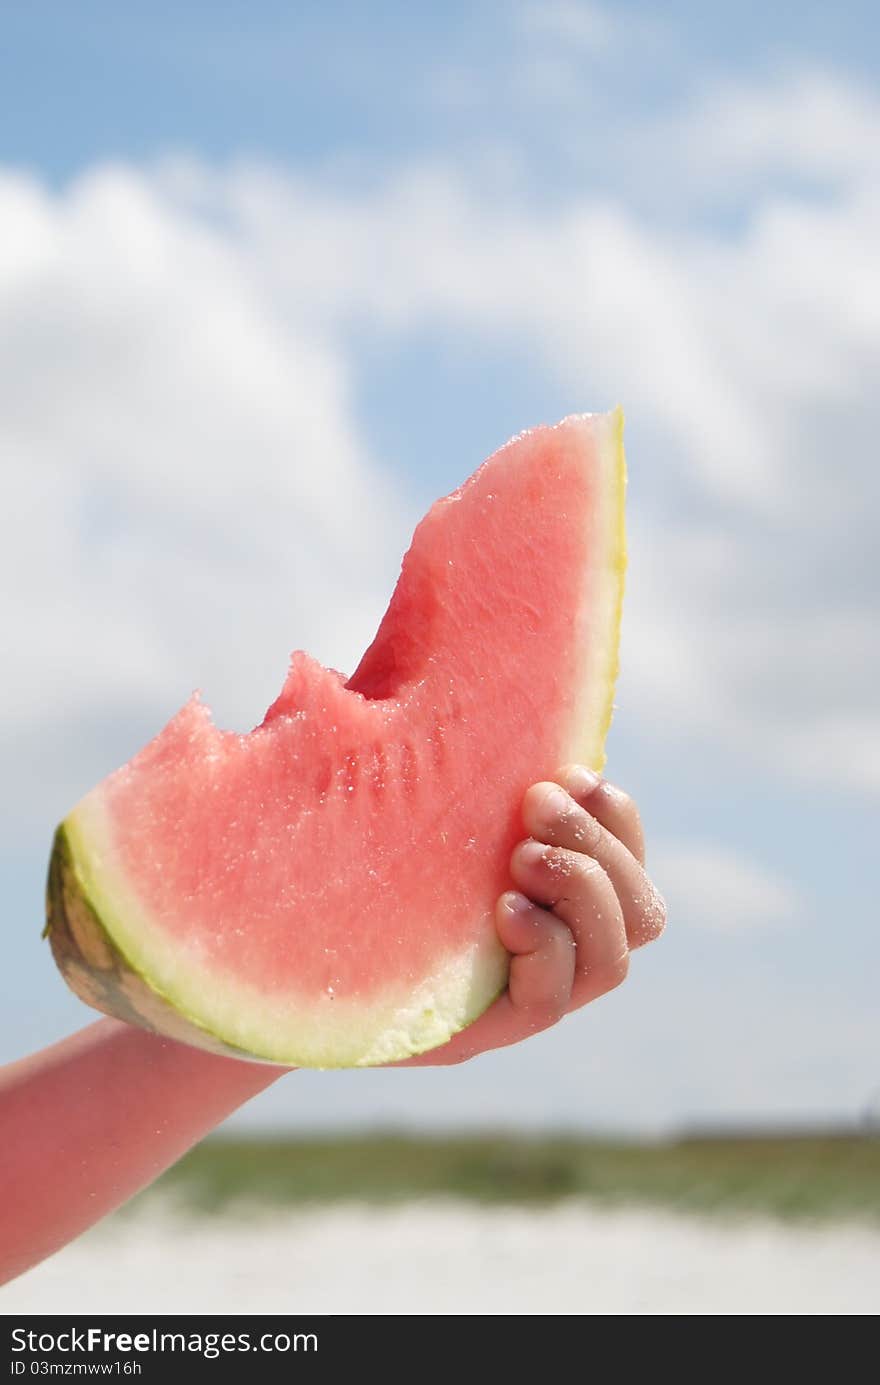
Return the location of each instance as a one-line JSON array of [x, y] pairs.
[[582, 903]]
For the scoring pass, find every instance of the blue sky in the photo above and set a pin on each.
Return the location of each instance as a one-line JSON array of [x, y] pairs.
[[311, 82], [273, 277]]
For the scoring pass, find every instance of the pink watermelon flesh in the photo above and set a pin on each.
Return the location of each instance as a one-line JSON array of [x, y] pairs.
[[321, 891]]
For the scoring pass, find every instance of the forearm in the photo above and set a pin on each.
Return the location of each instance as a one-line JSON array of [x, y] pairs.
[[87, 1123]]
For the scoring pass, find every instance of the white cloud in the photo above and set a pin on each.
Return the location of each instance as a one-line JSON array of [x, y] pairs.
[[713, 887], [804, 123], [187, 491], [570, 22], [836, 746], [717, 337], [745, 361], [553, 61]]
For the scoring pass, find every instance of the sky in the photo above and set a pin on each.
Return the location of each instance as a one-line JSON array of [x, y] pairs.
[[274, 277]]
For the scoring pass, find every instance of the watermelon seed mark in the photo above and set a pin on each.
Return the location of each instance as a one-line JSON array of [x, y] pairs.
[[438, 746], [409, 769], [349, 772], [323, 778], [377, 770], [456, 711]]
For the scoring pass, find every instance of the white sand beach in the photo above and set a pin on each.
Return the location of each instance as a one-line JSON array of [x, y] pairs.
[[453, 1258]]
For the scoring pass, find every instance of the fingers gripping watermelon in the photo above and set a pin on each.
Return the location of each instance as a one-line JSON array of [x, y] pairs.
[[320, 892]]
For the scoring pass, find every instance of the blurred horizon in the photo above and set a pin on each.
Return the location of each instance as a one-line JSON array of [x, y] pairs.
[[809, 1177], [274, 278]]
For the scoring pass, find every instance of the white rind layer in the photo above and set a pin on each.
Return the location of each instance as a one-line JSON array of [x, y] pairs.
[[602, 608], [322, 1032]]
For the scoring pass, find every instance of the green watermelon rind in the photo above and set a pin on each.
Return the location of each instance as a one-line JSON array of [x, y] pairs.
[[96, 967], [84, 929]]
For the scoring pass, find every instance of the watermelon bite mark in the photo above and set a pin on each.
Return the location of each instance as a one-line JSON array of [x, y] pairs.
[[320, 892]]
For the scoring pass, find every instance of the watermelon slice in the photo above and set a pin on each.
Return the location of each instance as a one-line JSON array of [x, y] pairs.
[[320, 892]]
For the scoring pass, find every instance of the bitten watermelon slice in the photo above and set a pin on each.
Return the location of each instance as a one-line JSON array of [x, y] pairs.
[[321, 891]]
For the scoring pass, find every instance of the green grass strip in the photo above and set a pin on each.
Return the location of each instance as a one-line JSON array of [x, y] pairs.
[[795, 1177]]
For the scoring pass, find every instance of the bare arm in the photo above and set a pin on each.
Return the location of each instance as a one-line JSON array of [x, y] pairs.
[[87, 1123]]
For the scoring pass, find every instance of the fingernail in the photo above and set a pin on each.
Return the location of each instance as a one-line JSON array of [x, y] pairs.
[[531, 853], [582, 781], [516, 903], [557, 803]]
